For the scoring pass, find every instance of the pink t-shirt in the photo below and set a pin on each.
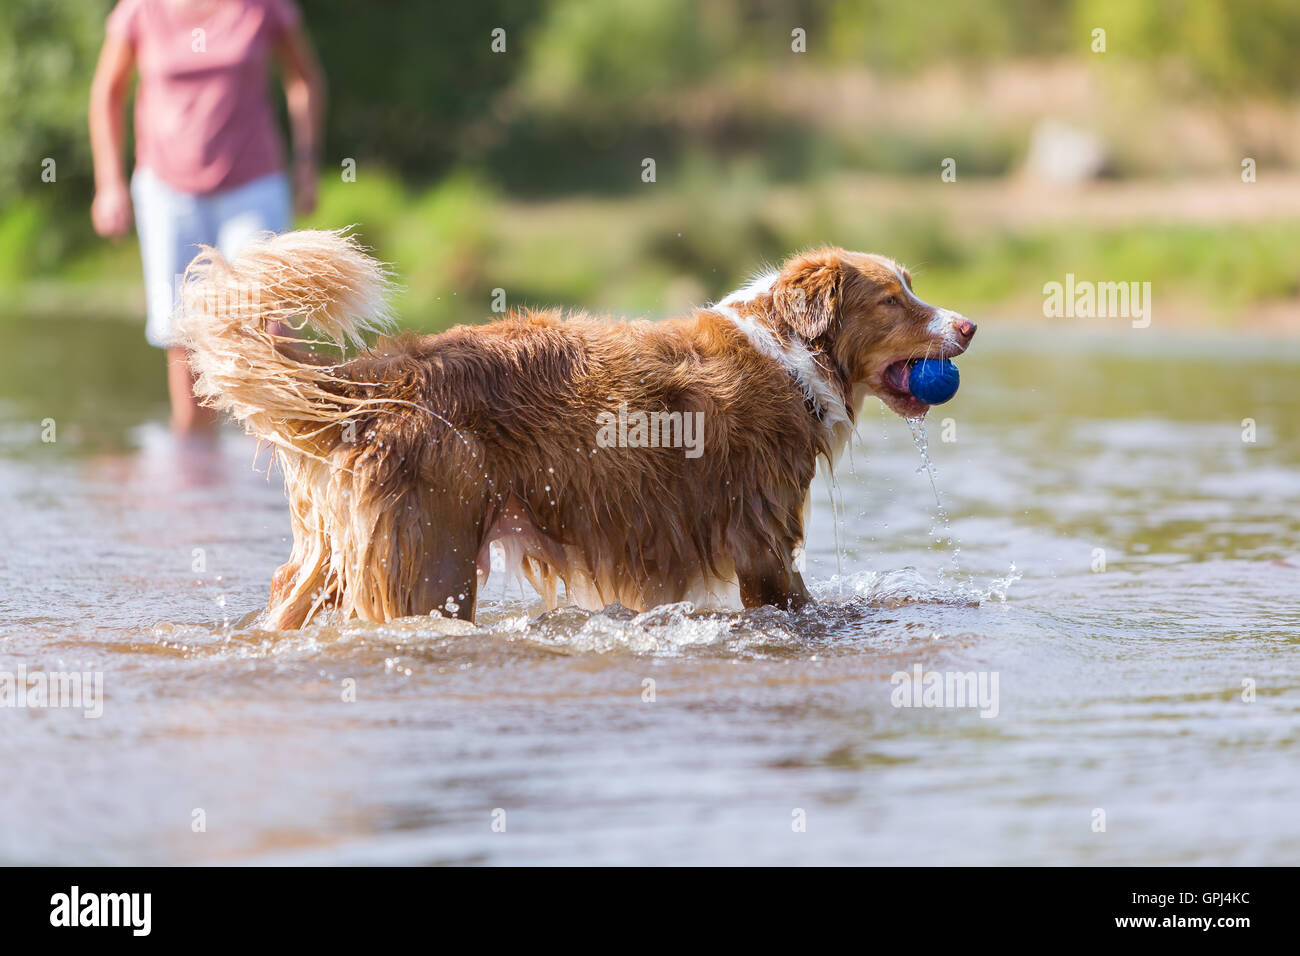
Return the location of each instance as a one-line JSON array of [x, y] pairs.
[[203, 114]]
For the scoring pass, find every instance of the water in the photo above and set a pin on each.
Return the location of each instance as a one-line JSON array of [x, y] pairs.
[[1118, 689]]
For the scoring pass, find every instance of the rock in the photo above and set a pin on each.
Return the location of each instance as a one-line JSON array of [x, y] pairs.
[[1065, 154]]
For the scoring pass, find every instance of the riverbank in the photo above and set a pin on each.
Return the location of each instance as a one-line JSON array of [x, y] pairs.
[[1217, 252]]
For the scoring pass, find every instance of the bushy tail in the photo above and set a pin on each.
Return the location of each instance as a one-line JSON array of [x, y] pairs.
[[245, 366]]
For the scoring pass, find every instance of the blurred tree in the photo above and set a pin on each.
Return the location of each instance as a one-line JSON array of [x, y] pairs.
[[604, 57], [47, 55], [1231, 46], [48, 50], [585, 88], [406, 79], [890, 36]]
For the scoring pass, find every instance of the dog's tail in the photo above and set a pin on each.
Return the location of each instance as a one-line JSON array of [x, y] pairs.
[[247, 366]]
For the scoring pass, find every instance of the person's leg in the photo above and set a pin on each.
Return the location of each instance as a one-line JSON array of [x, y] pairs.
[[251, 210], [188, 416], [171, 225]]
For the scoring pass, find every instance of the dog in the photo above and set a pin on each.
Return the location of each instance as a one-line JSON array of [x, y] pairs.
[[404, 463]]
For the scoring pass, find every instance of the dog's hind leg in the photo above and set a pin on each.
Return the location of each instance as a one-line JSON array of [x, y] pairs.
[[295, 591], [303, 584]]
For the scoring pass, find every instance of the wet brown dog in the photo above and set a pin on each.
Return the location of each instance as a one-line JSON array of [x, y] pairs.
[[636, 462]]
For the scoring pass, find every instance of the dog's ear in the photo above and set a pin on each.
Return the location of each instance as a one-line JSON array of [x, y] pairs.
[[806, 293]]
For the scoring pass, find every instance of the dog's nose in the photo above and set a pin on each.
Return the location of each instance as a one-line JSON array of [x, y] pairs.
[[965, 327]]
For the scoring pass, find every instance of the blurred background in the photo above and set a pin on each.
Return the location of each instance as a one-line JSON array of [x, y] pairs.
[[522, 170]]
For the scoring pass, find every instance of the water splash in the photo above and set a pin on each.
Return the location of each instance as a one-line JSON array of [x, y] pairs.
[[219, 599], [907, 586], [998, 587]]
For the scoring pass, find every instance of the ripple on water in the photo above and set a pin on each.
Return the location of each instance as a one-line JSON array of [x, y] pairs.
[[1122, 688]]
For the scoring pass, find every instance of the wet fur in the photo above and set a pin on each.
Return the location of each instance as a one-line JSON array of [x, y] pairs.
[[404, 463]]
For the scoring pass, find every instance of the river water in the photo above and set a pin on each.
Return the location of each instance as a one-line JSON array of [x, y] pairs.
[[1120, 574]]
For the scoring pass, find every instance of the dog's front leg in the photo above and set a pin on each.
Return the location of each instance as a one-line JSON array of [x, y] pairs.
[[769, 578]]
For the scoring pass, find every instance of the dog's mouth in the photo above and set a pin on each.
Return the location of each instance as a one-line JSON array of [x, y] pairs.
[[896, 393], [895, 382]]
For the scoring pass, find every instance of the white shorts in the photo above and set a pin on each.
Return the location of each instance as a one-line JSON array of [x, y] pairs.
[[173, 224]]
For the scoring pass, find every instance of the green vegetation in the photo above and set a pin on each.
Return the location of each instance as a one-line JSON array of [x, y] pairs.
[[522, 170], [453, 243]]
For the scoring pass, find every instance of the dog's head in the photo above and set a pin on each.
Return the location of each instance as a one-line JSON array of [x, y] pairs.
[[861, 310]]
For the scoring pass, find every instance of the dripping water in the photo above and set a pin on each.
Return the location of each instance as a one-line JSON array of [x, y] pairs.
[[833, 485], [922, 441]]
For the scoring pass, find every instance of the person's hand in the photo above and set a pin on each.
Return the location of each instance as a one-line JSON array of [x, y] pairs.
[[304, 188], [110, 213]]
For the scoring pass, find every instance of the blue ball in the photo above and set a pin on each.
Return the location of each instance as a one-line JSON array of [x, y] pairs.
[[933, 381]]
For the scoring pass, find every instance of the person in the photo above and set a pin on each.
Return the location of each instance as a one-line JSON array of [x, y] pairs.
[[209, 160]]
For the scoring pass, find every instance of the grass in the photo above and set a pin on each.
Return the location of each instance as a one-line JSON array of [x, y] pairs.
[[663, 248]]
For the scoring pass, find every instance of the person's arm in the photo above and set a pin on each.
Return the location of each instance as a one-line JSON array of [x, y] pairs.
[[111, 210], [304, 92]]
